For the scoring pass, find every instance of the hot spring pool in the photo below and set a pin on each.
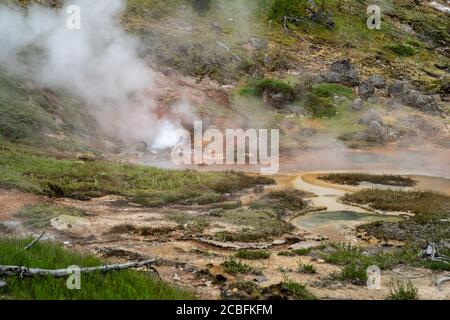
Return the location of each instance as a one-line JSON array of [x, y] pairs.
[[332, 224]]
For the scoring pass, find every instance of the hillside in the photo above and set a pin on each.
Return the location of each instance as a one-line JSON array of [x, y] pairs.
[[213, 59]]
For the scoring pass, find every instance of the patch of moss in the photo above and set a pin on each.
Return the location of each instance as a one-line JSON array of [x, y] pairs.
[[401, 49]]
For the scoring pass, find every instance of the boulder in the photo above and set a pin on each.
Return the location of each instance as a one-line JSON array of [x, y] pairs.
[[398, 89], [331, 77], [358, 104], [376, 132], [377, 81], [347, 72], [369, 117], [366, 90], [303, 245], [421, 101], [403, 92]]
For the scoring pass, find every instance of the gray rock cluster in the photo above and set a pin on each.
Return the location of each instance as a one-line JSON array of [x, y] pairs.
[[403, 92], [342, 71], [376, 131], [368, 87]]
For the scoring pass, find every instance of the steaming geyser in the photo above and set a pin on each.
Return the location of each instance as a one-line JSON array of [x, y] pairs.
[[97, 62]]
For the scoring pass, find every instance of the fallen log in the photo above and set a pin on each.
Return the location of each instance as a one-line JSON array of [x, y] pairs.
[[33, 272]]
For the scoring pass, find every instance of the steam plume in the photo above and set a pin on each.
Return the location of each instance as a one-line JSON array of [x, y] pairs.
[[98, 63]]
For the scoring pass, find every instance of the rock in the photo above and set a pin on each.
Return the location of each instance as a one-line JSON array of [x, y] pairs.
[[421, 101], [366, 90], [398, 89], [318, 260], [331, 77], [261, 279], [85, 157], [347, 72], [377, 81], [319, 15], [303, 245], [276, 99], [220, 279], [403, 92], [278, 242], [358, 104], [369, 117], [258, 44], [376, 132], [235, 245]]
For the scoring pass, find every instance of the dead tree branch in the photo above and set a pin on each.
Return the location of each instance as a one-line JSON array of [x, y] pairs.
[[33, 272], [28, 247]]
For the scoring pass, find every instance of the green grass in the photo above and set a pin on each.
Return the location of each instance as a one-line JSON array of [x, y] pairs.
[[45, 175], [252, 254], [193, 223], [403, 291], [355, 179], [39, 216], [120, 285], [257, 225], [355, 261], [401, 49], [233, 266], [281, 201], [307, 268], [296, 290], [353, 273], [29, 113], [329, 90], [273, 85], [426, 205]]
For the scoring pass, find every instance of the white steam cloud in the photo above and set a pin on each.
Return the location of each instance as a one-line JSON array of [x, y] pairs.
[[98, 63]]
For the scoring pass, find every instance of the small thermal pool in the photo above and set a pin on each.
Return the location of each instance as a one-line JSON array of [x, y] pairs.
[[332, 224]]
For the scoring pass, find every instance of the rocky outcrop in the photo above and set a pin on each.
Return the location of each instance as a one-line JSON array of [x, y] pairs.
[[342, 71], [377, 81], [358, 104], [402, 91], [369, 117], [366, 89], [376, 132]]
